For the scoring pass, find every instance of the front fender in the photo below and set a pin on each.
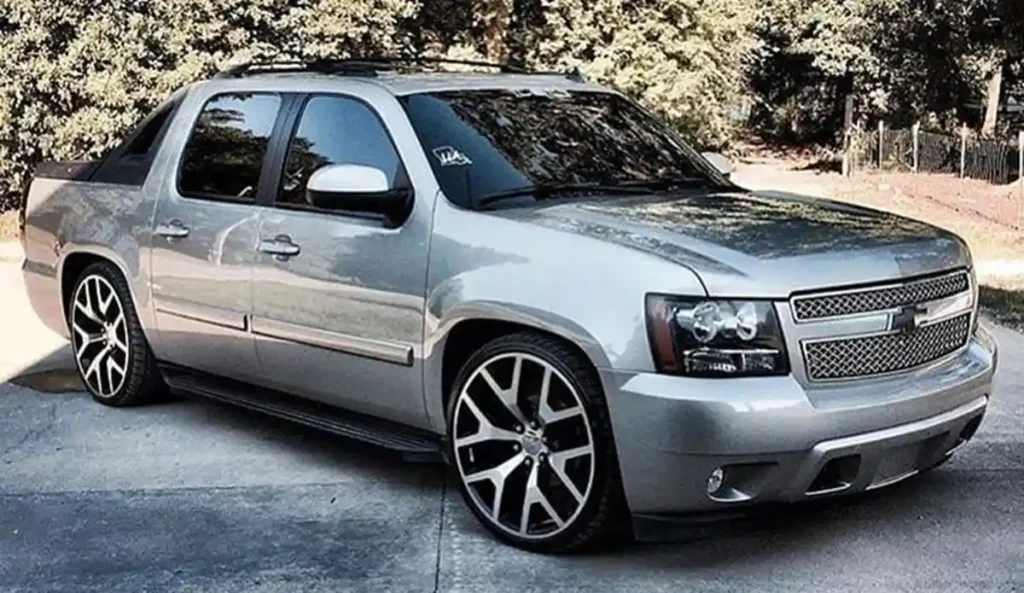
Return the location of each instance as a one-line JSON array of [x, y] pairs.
[[588, 291]]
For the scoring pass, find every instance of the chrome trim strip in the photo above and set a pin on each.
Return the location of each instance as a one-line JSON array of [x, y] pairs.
[[943, 309], [202, 313], [867, 289], [392, 352]]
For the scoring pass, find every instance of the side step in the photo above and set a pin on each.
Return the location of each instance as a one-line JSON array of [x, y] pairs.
[[413, 444]]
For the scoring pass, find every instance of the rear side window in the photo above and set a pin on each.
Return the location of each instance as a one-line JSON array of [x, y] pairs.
[[336, 131], [130, 162], [144, 143], [224, 155]]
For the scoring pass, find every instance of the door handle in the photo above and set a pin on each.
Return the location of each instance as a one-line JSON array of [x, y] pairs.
[[281, 247], [172, 230]]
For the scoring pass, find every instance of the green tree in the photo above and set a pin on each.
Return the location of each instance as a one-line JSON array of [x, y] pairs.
[[686, 59]]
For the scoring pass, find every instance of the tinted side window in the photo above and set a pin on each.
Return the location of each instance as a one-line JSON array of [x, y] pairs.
[[142, 144], [224, 154], [129, 163], [335, 130]]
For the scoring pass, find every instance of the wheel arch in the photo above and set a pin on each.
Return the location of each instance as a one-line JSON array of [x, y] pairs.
[[465, 331], [75, 262]]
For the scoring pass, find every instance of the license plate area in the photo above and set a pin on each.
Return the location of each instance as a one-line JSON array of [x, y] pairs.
[[899, 463]]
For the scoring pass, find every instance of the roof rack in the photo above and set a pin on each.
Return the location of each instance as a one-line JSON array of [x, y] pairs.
[[370, 67]]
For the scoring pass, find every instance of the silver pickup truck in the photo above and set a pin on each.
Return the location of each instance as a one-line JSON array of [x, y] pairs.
[[525, 274]]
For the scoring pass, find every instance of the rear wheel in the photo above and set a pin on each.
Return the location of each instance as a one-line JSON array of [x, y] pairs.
[[110, 348], [531, 445]]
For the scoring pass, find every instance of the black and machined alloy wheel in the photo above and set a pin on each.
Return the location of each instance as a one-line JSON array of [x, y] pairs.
[[110, 348], [531, 445]]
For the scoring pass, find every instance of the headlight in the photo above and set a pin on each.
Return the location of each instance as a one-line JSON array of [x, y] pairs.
[[712, 338]]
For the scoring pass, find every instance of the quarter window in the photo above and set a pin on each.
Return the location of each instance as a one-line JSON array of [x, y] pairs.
[[335, 130], [224, 156]]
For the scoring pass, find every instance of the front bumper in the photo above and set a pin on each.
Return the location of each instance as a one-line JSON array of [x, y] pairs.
[[780, 441]]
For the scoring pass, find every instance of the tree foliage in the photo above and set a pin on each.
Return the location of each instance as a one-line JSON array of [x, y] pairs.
[[78, 74], [905, 60]]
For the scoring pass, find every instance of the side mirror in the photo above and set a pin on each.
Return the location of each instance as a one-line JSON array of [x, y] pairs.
[[720, 162], [357, 188]]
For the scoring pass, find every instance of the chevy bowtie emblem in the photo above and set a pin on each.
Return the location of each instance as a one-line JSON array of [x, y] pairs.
[[909, 318]]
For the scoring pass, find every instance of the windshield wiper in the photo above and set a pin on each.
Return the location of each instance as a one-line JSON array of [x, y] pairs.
[[546, 190], [663, 184]]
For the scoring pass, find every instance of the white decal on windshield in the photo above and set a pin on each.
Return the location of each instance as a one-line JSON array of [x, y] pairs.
[[450, 156]]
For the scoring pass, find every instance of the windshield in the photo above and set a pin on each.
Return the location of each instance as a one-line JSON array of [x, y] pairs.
[[483, 143]]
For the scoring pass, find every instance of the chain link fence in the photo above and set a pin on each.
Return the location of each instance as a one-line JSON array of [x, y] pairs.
[[967, 156]]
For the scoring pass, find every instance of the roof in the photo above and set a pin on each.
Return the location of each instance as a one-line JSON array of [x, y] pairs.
[[407, 84], [404, 82]]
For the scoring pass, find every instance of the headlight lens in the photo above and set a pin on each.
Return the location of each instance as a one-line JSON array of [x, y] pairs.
[[715, 338]]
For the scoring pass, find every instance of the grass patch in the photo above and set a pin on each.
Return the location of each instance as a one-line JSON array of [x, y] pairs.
[[1004, 300], [9, 225]]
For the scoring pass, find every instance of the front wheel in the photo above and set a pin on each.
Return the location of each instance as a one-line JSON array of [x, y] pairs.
[[532, 447]]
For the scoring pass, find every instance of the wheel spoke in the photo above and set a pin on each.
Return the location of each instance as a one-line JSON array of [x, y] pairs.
[[517, 372], [557, 461], [507, 396], [115, 339], [533, 496], [547, 415], [497, 476], [85, 339], [86, 307], [104, 303], [94, 369], [112, 366], [486, 432]]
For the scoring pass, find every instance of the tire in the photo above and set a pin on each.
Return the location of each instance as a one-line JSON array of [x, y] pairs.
[[504, 453], [110, 348]]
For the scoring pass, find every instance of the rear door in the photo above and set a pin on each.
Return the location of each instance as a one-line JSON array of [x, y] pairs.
[[340, 319], [205, 235]]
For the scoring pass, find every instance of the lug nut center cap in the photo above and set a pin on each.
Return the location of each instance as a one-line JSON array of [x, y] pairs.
[[532, 444]]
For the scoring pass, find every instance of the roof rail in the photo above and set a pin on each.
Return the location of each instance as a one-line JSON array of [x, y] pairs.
[[350, 67], [371, 66]]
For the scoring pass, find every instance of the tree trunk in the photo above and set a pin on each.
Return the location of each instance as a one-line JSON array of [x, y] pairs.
[[993, 90], [496, 23]]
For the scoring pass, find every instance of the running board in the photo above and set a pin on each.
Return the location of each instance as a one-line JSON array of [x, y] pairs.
[[413, 444]]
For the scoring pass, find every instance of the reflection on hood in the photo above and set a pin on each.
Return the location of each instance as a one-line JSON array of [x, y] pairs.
[[768, 225]]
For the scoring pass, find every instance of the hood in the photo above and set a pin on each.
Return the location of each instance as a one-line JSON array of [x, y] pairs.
[[761, 244]]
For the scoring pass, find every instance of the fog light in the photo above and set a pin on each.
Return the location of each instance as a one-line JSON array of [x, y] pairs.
[[715, 480]]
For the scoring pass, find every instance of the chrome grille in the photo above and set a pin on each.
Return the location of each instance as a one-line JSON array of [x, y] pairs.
[[885, 353], [879, 298]]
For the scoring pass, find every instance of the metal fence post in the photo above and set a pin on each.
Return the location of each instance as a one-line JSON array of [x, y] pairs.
[[963, 150], [1020, 173], [1020, 154], [881, 140], [917, 143]]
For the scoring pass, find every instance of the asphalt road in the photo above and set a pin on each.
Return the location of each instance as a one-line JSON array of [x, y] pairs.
[[190, 496]]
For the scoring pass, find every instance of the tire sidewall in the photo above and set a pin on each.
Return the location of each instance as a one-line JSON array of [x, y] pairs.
[[596, 416]]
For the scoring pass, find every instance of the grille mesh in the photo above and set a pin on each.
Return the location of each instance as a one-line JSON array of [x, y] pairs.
[[887, 353], [880, 299]]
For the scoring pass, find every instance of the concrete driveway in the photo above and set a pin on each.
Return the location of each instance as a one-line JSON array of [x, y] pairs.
[[190, 496]]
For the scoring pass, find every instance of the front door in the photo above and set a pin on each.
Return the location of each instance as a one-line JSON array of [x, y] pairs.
[[205, 234], [338, 297]]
